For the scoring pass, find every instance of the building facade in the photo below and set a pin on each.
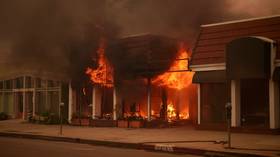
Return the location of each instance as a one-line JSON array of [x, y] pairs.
[[28, 95], [238, 62]]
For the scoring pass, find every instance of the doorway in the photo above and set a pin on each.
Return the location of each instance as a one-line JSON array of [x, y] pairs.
[[254, 102]]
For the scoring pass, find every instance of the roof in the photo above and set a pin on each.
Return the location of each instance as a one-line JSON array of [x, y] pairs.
[[213, 38], [142, 55]]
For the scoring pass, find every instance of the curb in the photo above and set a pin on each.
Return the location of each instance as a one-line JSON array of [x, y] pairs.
[[195, 151], [141, 146]]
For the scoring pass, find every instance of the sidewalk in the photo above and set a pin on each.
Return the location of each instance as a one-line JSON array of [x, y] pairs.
[[178, 140]]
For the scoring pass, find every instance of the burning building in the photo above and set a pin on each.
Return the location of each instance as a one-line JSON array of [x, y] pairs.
[[238, 62], [144, 76]]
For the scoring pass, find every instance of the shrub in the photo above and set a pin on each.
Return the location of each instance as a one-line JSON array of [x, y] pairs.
[[135, 118], [3, 116]]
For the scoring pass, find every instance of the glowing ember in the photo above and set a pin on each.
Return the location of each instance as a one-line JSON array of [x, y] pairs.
[[103, 75], [184, 116], [176, 80]]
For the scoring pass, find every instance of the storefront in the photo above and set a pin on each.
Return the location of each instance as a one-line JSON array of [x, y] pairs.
[[238, 62]]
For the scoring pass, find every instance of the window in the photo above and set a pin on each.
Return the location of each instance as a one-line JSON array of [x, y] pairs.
[[38, 82], [19, 82], [8, 84], [28, 82], [1, 85]]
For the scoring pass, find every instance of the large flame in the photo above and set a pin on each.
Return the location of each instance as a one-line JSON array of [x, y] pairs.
[[103, 75], [176, 80], [171, 114]]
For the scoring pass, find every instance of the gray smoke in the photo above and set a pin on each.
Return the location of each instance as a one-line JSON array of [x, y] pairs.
[[63, 35], [59, 36], [181, 18]]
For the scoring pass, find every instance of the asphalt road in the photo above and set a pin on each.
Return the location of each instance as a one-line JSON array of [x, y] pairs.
[[16, 147]]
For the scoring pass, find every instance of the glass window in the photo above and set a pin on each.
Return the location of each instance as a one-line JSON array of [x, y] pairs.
[[50, 83], [43, 83], [8, 84], [19, 82], [28, 82], [56, 83], [1, 85], [38, 83]]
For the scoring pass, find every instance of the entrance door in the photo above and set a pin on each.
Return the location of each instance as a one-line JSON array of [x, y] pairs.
[[19, 104], [255, 102]]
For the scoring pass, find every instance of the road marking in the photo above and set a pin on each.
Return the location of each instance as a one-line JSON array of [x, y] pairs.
[[164, 147]]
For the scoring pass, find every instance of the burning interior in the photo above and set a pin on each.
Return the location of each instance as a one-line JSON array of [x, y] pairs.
[[143, 77]]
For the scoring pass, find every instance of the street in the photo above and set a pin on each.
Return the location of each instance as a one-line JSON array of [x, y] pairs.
[[14, 147]]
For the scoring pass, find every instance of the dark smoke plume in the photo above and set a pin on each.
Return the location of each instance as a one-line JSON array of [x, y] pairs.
[[58, 36], [63, 35], [181, 18]]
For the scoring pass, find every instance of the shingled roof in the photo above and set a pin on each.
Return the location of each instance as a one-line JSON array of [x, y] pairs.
[[212, 40]]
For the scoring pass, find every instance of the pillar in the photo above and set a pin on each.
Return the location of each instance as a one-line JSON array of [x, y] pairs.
[[59, 99], [115, 102], [149, 93], [96, 102], [70, 102], [198, 104], [235, 102], [273, 105], [24, 99], [34, 98]]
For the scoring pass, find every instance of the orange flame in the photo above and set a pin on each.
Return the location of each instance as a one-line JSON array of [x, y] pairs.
[[176, 80], [171, 114], [103, 75]]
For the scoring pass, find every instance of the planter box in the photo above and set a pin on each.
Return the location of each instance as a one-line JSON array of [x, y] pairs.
[[84, 121], [122, 123], [103, 123], [136, 124]]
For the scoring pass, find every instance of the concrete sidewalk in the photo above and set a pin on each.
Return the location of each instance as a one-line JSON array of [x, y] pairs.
[[178, 140]]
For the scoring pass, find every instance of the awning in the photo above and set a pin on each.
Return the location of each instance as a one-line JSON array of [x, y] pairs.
[[209, 76], [248, 57]]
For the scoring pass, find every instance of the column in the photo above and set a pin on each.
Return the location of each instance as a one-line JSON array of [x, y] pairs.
[[149, 93], [96, 102], [48, 107], [24, 100], [235, 103], [70, 102], [273, 105], [59, 100], [198, 104], [34, 98], [115, 104]]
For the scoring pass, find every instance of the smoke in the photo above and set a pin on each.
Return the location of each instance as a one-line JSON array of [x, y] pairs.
[[63, 35], [254, 8], [57, 36], [181, 18]]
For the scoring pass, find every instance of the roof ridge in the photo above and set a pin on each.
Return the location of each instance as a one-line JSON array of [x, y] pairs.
[[241, 20]]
